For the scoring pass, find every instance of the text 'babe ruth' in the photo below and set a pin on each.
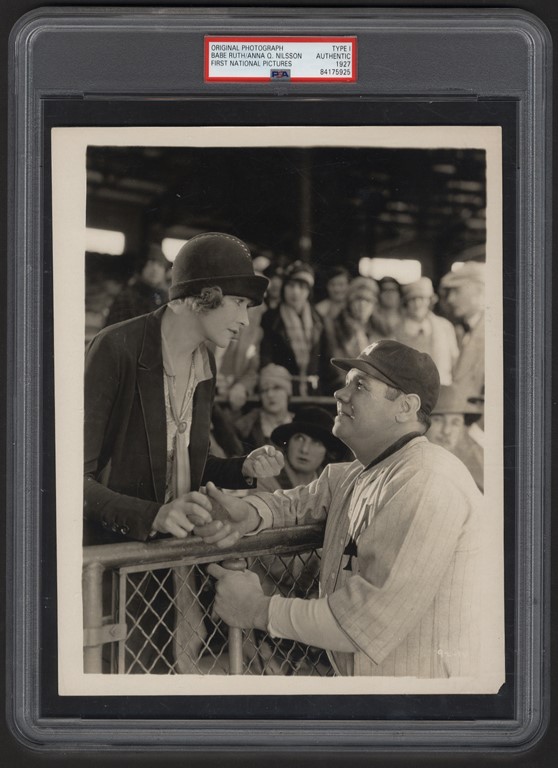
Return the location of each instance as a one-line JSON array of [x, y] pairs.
[[398, 591]]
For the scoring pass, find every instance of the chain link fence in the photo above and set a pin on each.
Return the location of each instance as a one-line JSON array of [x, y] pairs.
[[148, 608]]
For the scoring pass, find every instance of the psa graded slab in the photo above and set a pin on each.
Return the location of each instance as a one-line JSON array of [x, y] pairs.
[[279, 325]]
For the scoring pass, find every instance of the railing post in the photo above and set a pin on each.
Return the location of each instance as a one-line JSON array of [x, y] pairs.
[[93, 617], [236, 663]]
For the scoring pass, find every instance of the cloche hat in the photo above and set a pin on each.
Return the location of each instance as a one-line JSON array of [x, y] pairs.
[[216, 259]]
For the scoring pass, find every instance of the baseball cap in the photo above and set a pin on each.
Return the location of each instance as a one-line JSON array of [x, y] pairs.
[[399, 366]]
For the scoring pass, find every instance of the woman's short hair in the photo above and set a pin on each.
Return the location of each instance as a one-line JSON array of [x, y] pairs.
[[209, 298]]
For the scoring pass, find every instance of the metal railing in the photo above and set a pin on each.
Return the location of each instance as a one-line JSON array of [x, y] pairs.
[[147, 608]]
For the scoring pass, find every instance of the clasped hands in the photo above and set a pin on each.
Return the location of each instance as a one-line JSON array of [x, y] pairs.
[[197, 512], [239, 598]]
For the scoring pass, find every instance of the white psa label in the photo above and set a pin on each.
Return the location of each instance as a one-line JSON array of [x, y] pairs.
[[265, 59]]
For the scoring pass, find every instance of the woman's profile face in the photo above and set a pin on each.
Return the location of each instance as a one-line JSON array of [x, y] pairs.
[[223, 324]]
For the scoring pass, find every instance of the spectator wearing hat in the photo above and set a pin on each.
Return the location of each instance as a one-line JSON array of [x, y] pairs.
[[149, 385], [451, 418], [275, 387], [351, 331], [387, 314], [398, 592], [421, 329], [294, 335], [464, 290], [145, 292], [337, 287], [308, 445]]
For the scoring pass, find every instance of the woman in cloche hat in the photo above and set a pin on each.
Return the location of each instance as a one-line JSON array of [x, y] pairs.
[[149, 386]]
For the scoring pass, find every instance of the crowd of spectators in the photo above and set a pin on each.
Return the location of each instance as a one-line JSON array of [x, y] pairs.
[[283, 355]]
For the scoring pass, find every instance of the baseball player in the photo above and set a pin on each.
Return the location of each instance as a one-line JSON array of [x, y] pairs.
[[398, 593]]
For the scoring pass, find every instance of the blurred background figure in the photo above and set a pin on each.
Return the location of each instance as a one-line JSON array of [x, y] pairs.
[[145, 292], [294, 335], [421, 329], [351, 331], [476, 430], [238, 364], [387, 314], [451, 419], [337, 286], [274, 274], [275, 388], [223, 440], [465, 297]]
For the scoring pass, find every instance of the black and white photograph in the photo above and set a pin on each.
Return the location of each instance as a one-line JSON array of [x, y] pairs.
[[278, 372]]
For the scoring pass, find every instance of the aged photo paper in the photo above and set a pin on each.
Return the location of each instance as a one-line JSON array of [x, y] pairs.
[[70, 148]]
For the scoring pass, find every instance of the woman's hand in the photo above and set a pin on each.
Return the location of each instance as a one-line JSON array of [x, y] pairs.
[[173, 517]]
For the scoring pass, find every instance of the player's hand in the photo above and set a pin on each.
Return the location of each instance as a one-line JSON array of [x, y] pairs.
[[239, 598], [231, 518], [174, 517], [266, 461]]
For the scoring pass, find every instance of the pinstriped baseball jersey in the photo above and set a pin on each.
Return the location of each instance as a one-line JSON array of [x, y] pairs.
[[409, 601]]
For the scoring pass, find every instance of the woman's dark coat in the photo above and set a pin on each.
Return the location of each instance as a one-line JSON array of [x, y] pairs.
[[125, 457]]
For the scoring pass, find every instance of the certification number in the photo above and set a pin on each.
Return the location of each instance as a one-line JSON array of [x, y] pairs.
[[336, 71]]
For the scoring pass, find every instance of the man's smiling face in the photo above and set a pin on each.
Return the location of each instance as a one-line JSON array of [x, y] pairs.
[[362, 409]]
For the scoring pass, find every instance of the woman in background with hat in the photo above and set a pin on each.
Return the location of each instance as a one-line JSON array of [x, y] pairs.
[[294, 335], [350, 332], [308, 445], [426, 332], [275, 388], [387, 314], [149, 386], [337, 286]]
